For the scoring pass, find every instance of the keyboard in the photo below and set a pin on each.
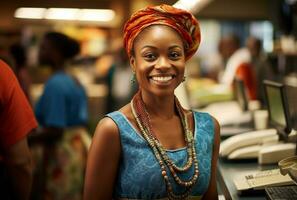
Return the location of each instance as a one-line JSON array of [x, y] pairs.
[[261, 179], [281, 193]]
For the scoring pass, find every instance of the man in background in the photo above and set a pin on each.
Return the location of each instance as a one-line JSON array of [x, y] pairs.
[[260, 64]]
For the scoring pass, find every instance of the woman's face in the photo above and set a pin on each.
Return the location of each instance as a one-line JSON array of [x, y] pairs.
[[47, 53], [159, 60], [44, 51]]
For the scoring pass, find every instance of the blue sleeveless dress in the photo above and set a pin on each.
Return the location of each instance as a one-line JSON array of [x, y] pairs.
[[139, 174]]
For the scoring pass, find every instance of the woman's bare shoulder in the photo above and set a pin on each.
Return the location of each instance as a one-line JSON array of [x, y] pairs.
[[106, 129], [107, 126]]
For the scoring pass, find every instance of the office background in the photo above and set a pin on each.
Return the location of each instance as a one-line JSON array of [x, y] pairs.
[[273, 22]]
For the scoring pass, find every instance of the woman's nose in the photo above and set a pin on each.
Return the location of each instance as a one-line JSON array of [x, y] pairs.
[[163, 63]]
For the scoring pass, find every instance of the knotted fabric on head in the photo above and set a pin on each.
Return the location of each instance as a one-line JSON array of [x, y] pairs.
[[180, 20]]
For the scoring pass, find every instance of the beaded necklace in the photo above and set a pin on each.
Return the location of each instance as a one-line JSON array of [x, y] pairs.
[[144, 123]]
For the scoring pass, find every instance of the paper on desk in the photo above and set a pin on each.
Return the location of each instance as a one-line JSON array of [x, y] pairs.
[[256, 181]]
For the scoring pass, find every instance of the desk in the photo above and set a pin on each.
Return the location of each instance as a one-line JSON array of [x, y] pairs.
[[227, 170]]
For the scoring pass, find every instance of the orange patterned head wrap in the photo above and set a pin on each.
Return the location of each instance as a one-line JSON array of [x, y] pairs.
[[180, 20]]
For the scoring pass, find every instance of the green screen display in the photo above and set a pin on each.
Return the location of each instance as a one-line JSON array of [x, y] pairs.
[[276, 108]]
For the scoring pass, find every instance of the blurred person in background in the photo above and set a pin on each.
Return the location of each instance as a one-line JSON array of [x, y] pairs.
[[17, 121], [228, 46], [18, 53], [261, 66], [5, 55], [62, 114], [153, 148], [120, 86], [216, 62], [238, 64]]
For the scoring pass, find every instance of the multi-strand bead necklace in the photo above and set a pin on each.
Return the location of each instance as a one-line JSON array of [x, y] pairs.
[[144, 123]]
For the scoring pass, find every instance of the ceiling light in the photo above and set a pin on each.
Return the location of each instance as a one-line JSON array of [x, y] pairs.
[[75, 14], [29, 13], [96, 15], [193, 6], [61, 13]]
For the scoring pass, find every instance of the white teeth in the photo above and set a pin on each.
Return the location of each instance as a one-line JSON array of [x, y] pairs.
[[162, 78]]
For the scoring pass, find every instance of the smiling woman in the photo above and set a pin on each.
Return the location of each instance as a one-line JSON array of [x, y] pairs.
[[153, 148]]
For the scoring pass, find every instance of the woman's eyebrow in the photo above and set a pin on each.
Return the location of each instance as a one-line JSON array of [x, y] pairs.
[[148, 46], [153, 47], [175, 46]]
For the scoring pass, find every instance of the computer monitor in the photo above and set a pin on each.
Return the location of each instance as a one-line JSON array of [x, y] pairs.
[[240, 94], [277, 104], [291, 90]]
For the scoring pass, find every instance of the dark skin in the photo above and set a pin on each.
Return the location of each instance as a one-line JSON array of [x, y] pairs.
[[47, 135], [18, 161], [159, 52], [50, 55]]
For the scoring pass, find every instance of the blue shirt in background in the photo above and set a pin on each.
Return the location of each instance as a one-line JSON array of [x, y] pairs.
[[63, 103]]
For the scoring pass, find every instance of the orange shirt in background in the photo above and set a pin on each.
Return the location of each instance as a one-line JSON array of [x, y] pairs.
[[16, 116]]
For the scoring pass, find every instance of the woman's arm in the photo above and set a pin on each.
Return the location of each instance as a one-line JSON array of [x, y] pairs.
[[44, 136], [103, 160], [212, 193], [18, 161]]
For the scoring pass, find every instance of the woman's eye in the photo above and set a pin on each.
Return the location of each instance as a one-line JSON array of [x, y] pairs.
[[149, 56], [174, 55]]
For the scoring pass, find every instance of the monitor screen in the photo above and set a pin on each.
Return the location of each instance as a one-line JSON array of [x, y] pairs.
[[277, 106], [240, 94]]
